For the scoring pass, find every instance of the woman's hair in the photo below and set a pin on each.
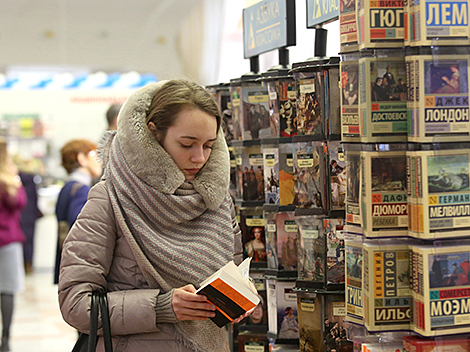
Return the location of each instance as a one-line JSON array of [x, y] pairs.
[[177, 95], [71, 150], [7, 180], [3, 155]]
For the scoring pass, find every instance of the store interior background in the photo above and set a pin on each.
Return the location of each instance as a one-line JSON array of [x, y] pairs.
[[64, 61]]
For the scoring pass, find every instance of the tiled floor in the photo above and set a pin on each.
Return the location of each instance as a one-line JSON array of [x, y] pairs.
[[37, 322]]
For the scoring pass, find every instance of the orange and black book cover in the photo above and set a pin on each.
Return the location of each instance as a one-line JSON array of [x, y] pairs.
[[230, 303]]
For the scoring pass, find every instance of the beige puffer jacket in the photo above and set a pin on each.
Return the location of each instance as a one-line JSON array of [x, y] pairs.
[[97, 255]]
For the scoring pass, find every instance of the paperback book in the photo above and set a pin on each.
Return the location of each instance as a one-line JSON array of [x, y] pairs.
[[230, 291], [440, 108], [441, 289], [440, 193], [387, 295], [382, 94], [350, 131], [354, 277], [384, 193]]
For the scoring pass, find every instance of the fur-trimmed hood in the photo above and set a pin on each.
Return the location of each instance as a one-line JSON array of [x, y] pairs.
[[150, 162]]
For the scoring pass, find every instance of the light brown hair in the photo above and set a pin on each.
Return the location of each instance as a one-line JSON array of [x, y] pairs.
[[71, 150], [175, 96]]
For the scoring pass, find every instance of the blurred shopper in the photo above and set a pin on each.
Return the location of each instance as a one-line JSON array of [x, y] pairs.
[[79, 158], [12, 200], [159, 222], [29, 171], [111, 116]]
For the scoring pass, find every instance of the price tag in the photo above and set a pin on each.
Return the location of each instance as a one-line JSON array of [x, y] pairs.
[[305, 160], [270, 160]]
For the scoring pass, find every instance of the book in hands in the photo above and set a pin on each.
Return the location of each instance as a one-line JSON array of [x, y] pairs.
[[230, 291]]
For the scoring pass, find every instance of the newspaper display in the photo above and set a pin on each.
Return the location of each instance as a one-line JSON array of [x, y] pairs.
[[350, 131], [287, 237], [237, 155], [383, 98], [354, 277], [234, 188], [286, 173], [387, 295], [441, 289], [255, 111], [312, 250], [353, 208], [271, 173], [286, 91], [282, 309], [337, 174], [384, 194], [309, 176], [309, 307], [335, 256], [441, 107], [438, 22], [441, 193], [310, 117], [332, 94], [321, 322], [348, 25], [253, 235], [381, 24], [235, 99], [274, 107], [270, 229], [252, 173]]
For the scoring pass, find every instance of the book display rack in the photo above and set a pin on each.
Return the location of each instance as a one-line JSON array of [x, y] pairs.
[[361, 165]]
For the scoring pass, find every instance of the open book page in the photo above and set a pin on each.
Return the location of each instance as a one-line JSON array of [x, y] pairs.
[[239, 273]]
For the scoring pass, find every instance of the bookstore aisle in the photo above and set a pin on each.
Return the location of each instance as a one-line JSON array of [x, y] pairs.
[[37, 323]]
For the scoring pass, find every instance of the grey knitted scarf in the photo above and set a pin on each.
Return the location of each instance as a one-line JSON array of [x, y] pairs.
[[178, 235]]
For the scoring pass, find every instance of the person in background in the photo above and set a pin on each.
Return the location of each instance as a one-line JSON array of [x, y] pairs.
[[29, 171], [79, 158], [159, 222], [12, 200], [111, 116]]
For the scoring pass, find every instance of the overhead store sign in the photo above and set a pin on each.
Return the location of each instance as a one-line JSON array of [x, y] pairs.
[[321, 11], [268, 25]]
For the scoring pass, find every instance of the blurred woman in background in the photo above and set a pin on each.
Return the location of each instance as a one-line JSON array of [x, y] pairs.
[[12, 200], [79, 158]]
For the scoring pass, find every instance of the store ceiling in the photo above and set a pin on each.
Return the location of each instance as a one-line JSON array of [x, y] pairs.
[[97, 34]]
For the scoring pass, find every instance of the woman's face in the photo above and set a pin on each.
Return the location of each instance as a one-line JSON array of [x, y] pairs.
[[89, 161], [189, 141]]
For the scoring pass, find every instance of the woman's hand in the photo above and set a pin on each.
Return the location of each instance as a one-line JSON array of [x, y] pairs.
[[241, 317], [188, 305]]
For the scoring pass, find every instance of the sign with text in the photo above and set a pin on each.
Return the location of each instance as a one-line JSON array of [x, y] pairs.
[[321, 11], [268, 25]]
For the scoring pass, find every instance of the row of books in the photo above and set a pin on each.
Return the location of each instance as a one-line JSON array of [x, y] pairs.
[[422, 192], [395, 285], [306, 174], [396, 23], [419, 97]]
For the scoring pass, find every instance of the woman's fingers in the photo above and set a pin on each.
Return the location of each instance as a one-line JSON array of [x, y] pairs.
[[188, 305]]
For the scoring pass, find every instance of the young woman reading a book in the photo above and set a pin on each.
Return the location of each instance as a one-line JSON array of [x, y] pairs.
[[159, 222]]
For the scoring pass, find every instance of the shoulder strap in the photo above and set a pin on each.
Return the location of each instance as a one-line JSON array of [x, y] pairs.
[[76, 186]]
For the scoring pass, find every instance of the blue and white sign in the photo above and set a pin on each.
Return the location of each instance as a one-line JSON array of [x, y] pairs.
[[268, 25], [321, 11]]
